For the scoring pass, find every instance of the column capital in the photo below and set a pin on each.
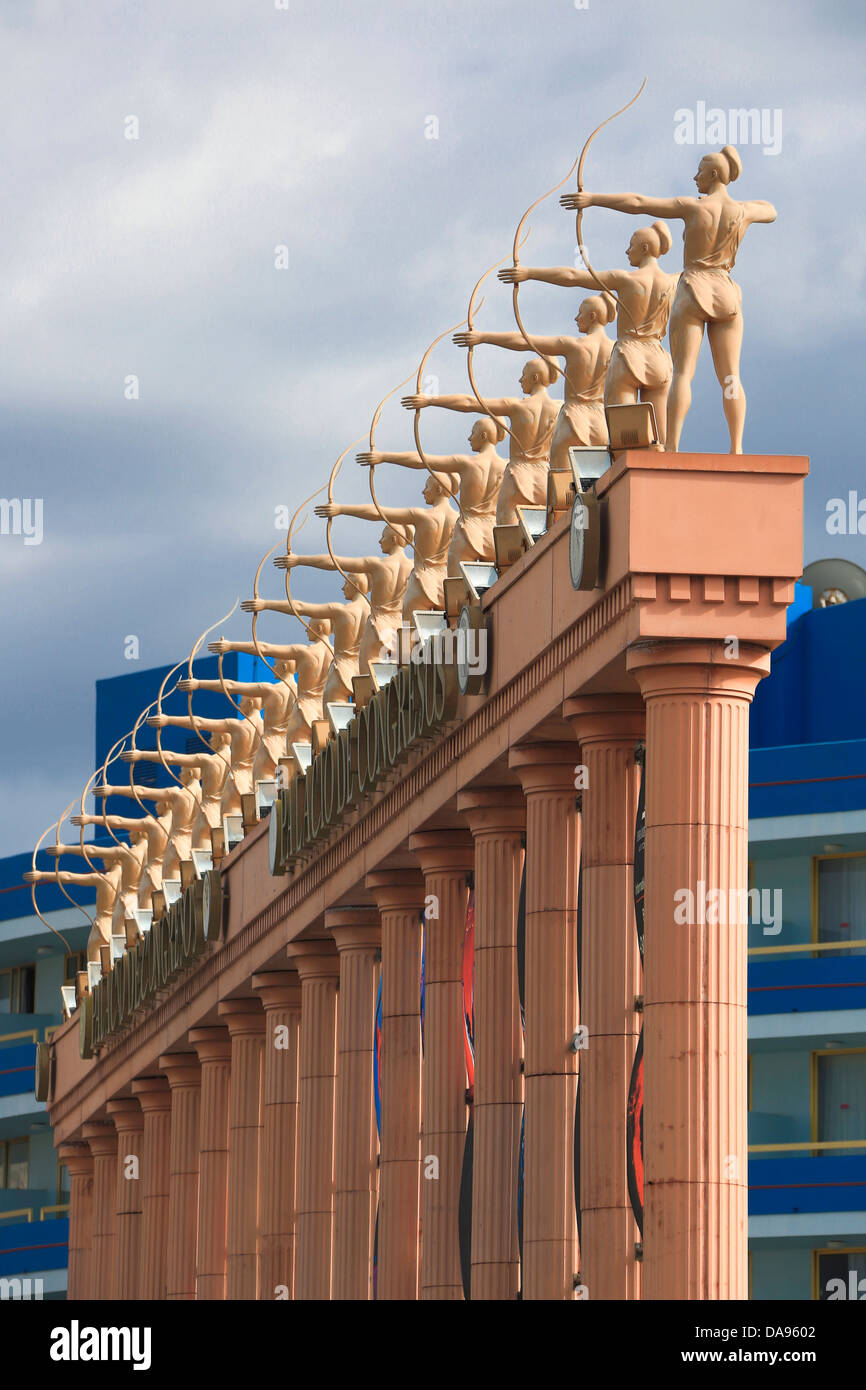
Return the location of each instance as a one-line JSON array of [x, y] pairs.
[[242, 1016], [127, 1115], [544, 767], [278, 989], [77, 1159], [211, 1044], [494, 810], [606, 718], [397, 889], [102, 1139], [354, 929], [443, 851], [182, 1069], [697, 668], [315, 959], [153, 1093]]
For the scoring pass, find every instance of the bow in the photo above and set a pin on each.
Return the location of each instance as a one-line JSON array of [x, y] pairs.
[[158, 703], [311, 637], [455, 496], [377, 414], [470, 318], [331, 480], [579, 219], [133, 747], [101, 772], [194, 650], [60, 885], [518, 242]]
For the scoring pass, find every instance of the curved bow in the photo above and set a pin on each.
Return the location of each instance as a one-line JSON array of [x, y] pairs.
[[194, 650], [377, 415], [579, 219], [61, 886], [470, 323], [518, 242], [331, 480], [311, 636], [133, 747], [455, 496], [102, 774], [159, 749]]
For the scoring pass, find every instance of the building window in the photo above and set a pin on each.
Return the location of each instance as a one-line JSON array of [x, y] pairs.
[[841, 901], [18, 990], [72, 965], [840, 1275], [840, 1096], [14, 1164]]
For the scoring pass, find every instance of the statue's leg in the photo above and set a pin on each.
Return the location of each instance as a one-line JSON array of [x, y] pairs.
[[658, 399], [726, 340], [563, 439], [686, 335], [620, 387]]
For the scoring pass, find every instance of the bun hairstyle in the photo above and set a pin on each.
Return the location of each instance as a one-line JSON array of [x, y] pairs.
[[657, 237], [603, 306], [495, 432], [361, 581], [451, 481], [403, 534], [727, 164], [547, 373]]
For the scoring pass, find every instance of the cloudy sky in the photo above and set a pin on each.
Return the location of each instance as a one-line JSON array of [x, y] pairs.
[[306, 125]]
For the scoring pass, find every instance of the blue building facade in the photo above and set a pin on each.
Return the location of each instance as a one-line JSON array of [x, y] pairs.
[[34, 963], [807, 963]]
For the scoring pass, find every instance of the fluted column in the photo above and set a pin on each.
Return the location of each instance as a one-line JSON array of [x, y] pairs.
[[129, 1123], [214, 1051], [102, 1139], [550, 1254], [318, 967], [447, 859], [697, 736], [497, 818], [356, 933], [280, 993], [399, 895], [79, 1164], [608, 728], [246, 1024], [184, 1078], [154, 1097]]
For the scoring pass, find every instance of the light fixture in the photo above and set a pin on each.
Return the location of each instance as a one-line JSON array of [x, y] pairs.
[[833, 849], [45, 950], [834, 1042]]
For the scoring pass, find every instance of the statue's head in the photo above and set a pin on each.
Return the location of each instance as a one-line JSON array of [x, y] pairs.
[[485, 431], [394, 538], [219, 738], [137, 833], [250, 704], [284, 668], [161, 807], [537, 373], [319, 627], [355, 585], [649, 241], [188, 775], [714, 169], [441, 485], [596, 308]]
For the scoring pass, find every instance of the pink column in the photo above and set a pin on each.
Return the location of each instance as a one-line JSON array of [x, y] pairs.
[[246, 1024], [497, 819], [608, 728], [154, 1097], [184, 1078], [103, 1145], [550, 1253], [447, 858], [280, 993], [318, 968], [399, 894], [695, 1202], [129, 1123], [79, 1165], [356, 933], [214, 1050]]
